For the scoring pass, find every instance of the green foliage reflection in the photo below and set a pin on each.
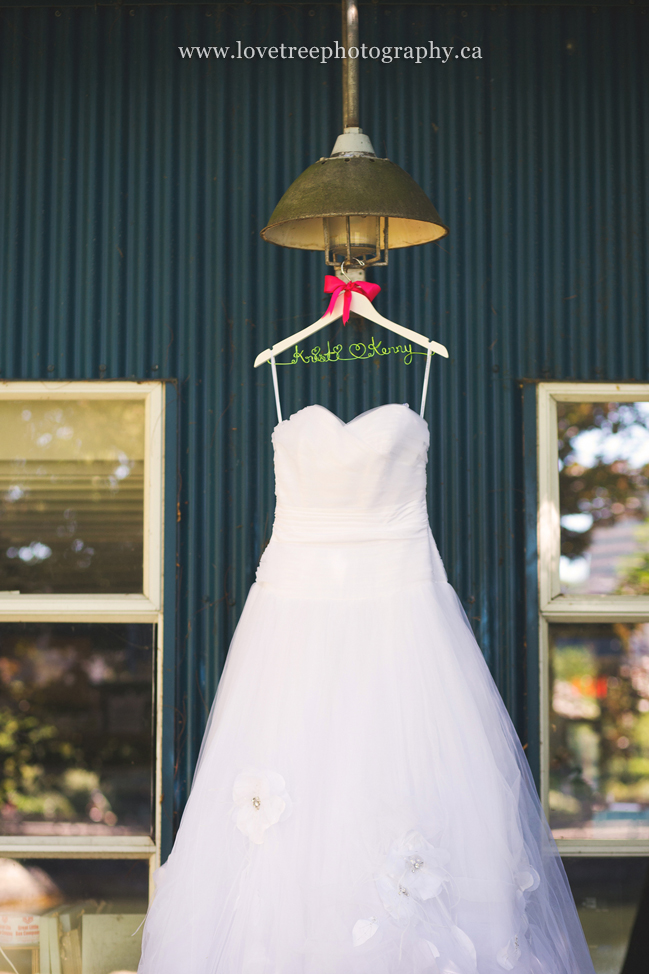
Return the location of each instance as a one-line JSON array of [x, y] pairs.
[[599, 724]]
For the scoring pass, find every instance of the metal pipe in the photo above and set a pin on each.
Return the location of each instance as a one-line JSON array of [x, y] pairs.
[[350, 66], [344, 43]]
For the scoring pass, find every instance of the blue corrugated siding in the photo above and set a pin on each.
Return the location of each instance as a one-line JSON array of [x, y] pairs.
[[133, 187]]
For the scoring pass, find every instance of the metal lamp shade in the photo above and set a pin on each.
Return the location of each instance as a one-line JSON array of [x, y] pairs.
[[355, 186]]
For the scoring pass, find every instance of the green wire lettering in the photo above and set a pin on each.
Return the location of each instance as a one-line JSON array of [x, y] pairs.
[[358, 352]]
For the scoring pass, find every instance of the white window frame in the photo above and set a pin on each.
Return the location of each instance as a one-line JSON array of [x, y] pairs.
[[555, 607], [145, 607]]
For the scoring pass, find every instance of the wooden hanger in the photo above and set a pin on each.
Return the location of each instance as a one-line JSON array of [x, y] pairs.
[[363, 307]]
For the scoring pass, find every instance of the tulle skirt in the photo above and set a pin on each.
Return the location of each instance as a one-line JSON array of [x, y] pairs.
[[362, 804]]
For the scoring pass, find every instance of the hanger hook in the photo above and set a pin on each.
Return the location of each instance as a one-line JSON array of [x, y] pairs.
[[347, 262]]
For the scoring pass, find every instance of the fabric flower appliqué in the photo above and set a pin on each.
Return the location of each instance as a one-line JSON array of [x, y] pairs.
[[528, 880], [363, 930], [412, 873], [261, 800], [510, 954]]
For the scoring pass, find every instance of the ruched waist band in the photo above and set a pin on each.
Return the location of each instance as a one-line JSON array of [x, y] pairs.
[[349, 554], [313, 526]]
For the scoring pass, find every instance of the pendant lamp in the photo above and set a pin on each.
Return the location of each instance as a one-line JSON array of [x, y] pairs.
[[352, 205]]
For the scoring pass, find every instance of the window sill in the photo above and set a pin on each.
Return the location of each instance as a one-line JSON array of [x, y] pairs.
[[77, 846], [602, 847], [591, 608], [77, 608]]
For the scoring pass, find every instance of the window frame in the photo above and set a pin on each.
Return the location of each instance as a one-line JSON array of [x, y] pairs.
[[145, 607], [552, 605]]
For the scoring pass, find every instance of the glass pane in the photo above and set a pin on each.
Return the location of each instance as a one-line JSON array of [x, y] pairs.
[[607, 893], [599, 731], [72, 915], [604, 497], [71, 496], [76, 729]]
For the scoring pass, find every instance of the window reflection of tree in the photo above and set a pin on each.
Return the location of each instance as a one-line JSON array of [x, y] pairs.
[[600, 689], [76, 727], [607, 490]]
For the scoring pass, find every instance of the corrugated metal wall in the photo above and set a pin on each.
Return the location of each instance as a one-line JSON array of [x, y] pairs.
[[133, 187]]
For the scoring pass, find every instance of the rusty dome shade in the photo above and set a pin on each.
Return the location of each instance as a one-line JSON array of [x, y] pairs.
[[353, 186]]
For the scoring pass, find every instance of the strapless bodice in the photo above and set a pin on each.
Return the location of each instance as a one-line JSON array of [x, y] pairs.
[[351, 503], [376, 461]]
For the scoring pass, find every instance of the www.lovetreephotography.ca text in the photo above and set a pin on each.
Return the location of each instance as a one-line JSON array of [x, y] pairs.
[[325, 53]]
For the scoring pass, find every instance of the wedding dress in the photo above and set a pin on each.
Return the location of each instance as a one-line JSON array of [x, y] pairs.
[[362, 804]]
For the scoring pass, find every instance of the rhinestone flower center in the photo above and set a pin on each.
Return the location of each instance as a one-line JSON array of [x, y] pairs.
[[415, 863], [256, 802], [403, 891]]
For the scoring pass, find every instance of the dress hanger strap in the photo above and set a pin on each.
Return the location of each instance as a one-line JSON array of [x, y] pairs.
[[273, 366], [424, 391]]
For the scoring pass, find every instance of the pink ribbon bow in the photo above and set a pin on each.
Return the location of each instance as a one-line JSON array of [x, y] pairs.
[[334, 286]]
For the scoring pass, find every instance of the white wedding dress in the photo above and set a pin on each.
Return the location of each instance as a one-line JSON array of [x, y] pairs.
[[362, 804]]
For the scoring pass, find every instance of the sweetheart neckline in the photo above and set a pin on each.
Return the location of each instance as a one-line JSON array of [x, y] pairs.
[[373, 409]]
